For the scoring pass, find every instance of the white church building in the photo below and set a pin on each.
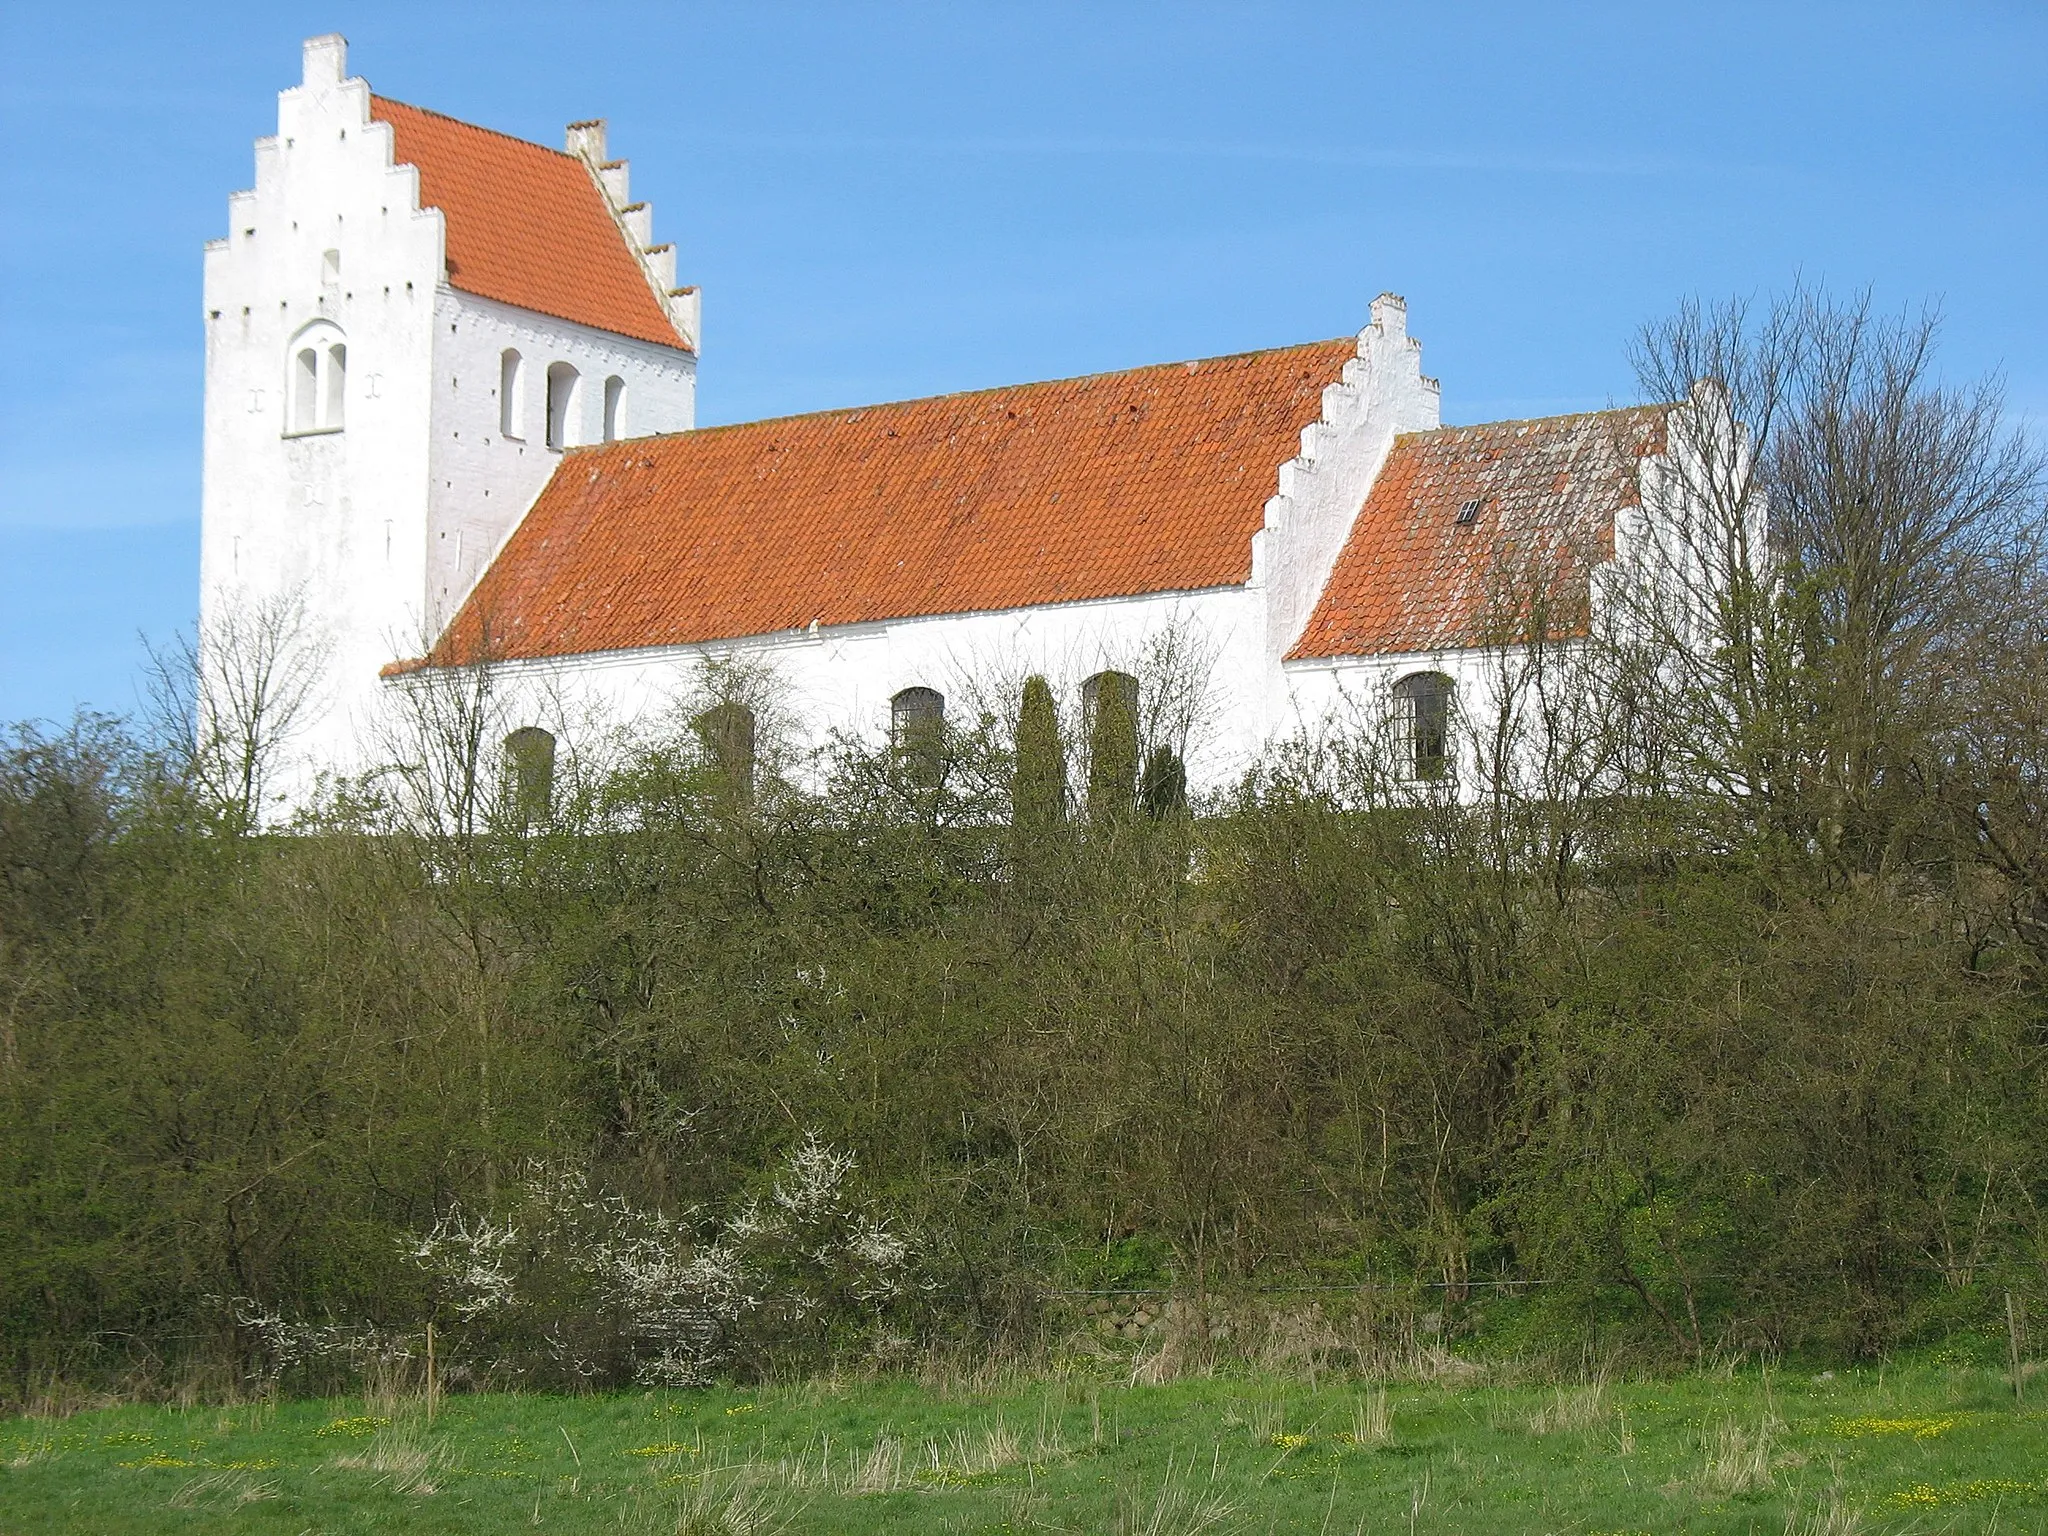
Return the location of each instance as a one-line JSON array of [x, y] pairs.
[[451, 390]]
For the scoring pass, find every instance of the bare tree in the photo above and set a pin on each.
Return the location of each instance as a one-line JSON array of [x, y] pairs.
[[230, 703], [439, 739], [1798, 595]]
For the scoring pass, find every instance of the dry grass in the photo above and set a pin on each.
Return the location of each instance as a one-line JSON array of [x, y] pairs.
[[891, 1464], [726, 1501], [1198, 1458], [31, 1451], [58, 1398], [1263, 1419], [1180, 1507], [412, 1464], [731, 1509], [1831, 1517], [223, 1490], [1184, 1346], [1372, 1421], [1571, 1410], [1737, 1460]]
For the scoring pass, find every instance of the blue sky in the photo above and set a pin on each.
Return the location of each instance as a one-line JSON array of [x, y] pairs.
[[890, 200]]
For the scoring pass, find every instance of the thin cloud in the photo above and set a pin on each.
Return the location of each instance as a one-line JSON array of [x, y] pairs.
[[1481, 161]]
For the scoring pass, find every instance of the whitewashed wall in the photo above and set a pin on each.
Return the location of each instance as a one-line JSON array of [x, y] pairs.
[[482, 482], [1659, 541], [1354, 696], [843, 678]]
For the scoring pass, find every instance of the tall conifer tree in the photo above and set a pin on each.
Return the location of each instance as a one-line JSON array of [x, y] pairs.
[[1038, 791], [1113, 748]]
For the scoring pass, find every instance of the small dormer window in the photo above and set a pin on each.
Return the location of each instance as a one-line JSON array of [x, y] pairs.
[[561, 405], [316, 380], [512, 395], [1469, 512], [614, 408]]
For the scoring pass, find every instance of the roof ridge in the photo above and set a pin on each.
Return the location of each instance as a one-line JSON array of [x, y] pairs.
[[965, 394], [1526, 421], [463, 122]]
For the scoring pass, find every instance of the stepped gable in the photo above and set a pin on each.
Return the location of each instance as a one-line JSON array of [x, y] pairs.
[[1151, 480], [527, 225], [1413, 577]]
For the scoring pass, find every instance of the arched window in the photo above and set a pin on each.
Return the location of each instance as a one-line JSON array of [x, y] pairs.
[[333, 391], [1109, 707], [529, 774], [727, 732], [561, 405], [316, 379], [917, 730], [614, 408], [1422, 723], [305, 389], [512, 395]]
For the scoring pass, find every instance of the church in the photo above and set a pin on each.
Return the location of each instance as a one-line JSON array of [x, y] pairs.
[[451, 384]]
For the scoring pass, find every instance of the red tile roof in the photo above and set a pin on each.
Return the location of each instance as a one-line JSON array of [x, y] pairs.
[[1153, 480], [527, 225], [1413, 578]]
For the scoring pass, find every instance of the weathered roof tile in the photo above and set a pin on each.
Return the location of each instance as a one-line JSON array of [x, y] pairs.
[[1414, 578]]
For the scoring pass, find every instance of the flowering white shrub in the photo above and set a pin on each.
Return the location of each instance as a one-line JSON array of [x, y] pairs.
[[563, 1280], [832, 1261], [471, 1258], [285, 1344]]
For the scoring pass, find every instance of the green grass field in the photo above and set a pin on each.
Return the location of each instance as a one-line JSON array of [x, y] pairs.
[[1918, 1450]]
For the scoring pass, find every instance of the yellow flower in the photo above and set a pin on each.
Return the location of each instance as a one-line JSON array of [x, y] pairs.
[[360, 1427], [1919, 1429], [1974, 1491]]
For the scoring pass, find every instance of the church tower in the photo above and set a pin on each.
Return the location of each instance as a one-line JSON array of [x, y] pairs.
[[409, 320]]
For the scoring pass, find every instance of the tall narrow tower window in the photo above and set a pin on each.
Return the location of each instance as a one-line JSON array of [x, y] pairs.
[[333, 390], [512, 395], [316, 379], [305, 389], [614, 408], [561, 405]]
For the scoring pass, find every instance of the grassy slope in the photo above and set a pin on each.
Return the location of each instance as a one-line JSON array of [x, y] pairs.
[[1936, 1450]]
